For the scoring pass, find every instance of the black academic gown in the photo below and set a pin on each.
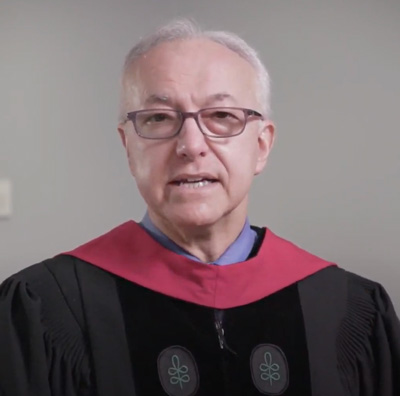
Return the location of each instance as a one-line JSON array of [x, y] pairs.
[[123, 316]]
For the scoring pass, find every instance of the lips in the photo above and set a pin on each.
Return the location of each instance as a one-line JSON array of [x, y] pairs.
[[198, 180]]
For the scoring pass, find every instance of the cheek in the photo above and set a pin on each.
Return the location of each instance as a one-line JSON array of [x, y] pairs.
[[136, 158], [131, 160], [139, 166], [147, 166], [240, 162]]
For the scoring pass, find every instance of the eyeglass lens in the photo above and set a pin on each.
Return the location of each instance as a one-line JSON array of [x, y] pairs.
[[215, 122]]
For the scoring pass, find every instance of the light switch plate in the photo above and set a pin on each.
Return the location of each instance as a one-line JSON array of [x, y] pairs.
[[5, 198]]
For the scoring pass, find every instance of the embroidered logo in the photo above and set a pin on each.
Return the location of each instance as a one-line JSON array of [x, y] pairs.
[[269, 369], [177, 371]]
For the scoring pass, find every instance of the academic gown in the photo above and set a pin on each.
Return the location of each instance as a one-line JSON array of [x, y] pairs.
[[122, 315]]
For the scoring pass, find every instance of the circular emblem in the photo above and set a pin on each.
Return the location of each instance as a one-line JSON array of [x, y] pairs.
[[178, 371], [269, 369]]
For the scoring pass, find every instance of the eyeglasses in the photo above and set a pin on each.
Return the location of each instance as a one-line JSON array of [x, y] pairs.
[[216, 122]]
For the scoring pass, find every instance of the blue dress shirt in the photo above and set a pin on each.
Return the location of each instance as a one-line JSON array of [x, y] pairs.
[[238, 251]]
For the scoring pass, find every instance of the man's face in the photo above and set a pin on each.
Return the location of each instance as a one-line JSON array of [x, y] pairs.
[[187, 76]]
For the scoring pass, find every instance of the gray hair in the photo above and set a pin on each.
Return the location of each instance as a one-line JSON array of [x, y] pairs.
[[185, 29]]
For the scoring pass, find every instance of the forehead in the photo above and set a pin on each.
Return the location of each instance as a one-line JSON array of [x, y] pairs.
[[192, 70]]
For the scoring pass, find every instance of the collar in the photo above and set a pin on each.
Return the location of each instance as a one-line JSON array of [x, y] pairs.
[[238, 251]]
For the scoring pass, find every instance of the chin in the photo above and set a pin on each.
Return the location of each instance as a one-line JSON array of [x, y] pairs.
[[194, 217], [195, 221]]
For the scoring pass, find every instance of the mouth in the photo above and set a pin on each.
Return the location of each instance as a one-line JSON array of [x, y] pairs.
[[193, 182]]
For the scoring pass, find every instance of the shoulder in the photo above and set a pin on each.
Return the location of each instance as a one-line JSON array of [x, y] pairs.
[[358, 293], [59, 272], [51, 286], [47, 294], [369, 309], [41, 306], [367, 294], [42, 272], [351, 319], [355, 307], [368, 340]]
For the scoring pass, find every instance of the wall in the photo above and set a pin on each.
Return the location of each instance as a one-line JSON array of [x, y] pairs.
[[332, 184]]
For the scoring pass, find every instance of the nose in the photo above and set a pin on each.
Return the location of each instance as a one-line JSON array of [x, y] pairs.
[[191, 143]]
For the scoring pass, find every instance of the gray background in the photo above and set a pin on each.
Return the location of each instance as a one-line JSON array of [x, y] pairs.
[[332, 184]]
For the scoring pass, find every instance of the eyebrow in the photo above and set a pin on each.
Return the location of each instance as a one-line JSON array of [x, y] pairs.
[[165, 99], [155, 99], [219, 97]]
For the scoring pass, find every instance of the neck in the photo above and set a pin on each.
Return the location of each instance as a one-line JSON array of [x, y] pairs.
[[208, 242]]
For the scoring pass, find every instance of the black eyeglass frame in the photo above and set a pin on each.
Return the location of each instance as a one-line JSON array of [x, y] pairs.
[[131, 116]]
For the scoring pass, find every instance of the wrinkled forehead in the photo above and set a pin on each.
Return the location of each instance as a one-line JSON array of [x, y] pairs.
[[193, 71]]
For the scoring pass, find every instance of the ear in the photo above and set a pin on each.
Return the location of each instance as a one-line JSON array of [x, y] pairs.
[[124, 137], [122, 134], [266, 138]]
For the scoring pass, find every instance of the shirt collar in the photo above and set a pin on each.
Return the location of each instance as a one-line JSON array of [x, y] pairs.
[[238, 251]]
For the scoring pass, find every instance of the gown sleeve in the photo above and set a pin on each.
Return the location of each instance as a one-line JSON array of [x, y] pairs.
[[386, 345], [40, 353], [369, 341]]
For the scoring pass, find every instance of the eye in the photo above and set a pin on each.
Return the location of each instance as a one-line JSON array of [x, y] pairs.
[[223, 114], [157, 117]]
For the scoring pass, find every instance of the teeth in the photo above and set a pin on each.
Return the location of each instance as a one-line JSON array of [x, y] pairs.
[[194, 184], [193, 180]]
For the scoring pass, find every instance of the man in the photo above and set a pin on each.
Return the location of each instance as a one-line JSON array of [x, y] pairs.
[[193, 300]]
